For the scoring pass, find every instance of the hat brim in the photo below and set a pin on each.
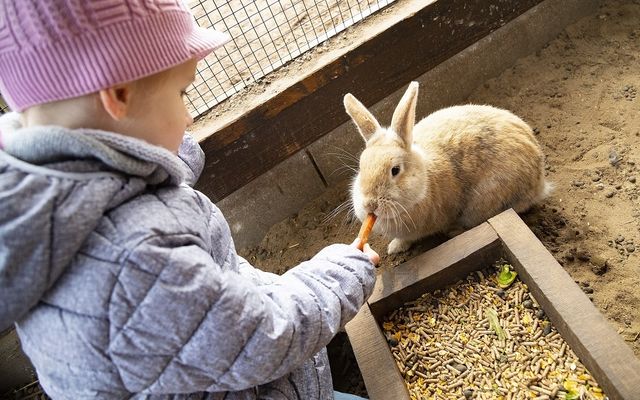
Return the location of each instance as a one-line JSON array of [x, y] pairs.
[[203, 41]]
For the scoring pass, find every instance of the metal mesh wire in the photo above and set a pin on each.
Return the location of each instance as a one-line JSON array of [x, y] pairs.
[[266, 34], [3, 106]]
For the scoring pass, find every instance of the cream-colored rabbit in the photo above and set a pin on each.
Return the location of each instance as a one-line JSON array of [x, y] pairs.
[[451, 171]]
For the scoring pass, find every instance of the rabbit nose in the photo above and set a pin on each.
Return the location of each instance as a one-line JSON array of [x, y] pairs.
[[371, 205]]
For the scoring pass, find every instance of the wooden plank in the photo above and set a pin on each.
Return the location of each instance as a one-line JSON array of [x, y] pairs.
[[381, 375], [583, 327], [420, 39], [434, 269]]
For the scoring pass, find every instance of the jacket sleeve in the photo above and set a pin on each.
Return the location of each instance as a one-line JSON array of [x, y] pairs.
[[182, 323], [192, 155], [256, 275]]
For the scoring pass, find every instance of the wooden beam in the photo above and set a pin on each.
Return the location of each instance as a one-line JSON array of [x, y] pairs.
[[418, 40], [582, 326], [603, 352], [435, 269], [380, 374]]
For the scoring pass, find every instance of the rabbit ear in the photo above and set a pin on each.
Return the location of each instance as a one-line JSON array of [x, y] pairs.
[[364, 120], [404, 117]]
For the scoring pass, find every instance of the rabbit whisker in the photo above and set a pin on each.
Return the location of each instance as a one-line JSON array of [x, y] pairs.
[[344, 168], [397, 217], [408, 216], [334, 213], [406, 211], [349, 161], [345, 157], [383, 208], [350, 218]]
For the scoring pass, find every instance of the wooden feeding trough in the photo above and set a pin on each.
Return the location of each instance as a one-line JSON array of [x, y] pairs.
[[596, 343]]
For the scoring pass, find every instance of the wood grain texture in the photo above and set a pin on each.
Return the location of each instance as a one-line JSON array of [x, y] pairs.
[[595, 341], [379, 371], [583, 327], [434, 269], [304, 112]]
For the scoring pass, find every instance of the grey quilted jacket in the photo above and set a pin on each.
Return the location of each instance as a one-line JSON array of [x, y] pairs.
[[123, 281]]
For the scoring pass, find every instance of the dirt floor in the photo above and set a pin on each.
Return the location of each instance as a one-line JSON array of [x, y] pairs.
[[580, 95]]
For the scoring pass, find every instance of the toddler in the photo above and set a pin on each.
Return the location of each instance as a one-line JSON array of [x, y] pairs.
[[121, 279]]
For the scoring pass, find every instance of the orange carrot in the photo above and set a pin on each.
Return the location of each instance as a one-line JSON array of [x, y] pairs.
[[365, 230]]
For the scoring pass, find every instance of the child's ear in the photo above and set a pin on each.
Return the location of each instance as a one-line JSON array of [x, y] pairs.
[[116, 100]]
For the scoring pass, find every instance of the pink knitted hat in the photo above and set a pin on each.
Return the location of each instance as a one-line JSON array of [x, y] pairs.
[[59, 49]]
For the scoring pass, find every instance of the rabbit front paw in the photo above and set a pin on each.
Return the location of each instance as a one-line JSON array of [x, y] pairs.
[[398, 246]]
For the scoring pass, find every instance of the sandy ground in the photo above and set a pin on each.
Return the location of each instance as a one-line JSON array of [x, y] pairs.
[[580, 95]]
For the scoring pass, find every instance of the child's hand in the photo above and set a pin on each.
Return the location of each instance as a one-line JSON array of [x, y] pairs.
[[373, 256]]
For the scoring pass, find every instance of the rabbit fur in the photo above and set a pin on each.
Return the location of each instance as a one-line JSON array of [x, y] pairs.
[[453, 170]]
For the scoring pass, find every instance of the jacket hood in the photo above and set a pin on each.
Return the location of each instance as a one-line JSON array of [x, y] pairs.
[[55, 186]]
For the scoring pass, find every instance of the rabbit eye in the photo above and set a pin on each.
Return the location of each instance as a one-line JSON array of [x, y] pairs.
[[395, 170]]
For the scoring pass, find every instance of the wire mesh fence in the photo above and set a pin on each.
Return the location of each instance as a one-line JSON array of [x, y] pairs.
[[266, 34], [3, 106]]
